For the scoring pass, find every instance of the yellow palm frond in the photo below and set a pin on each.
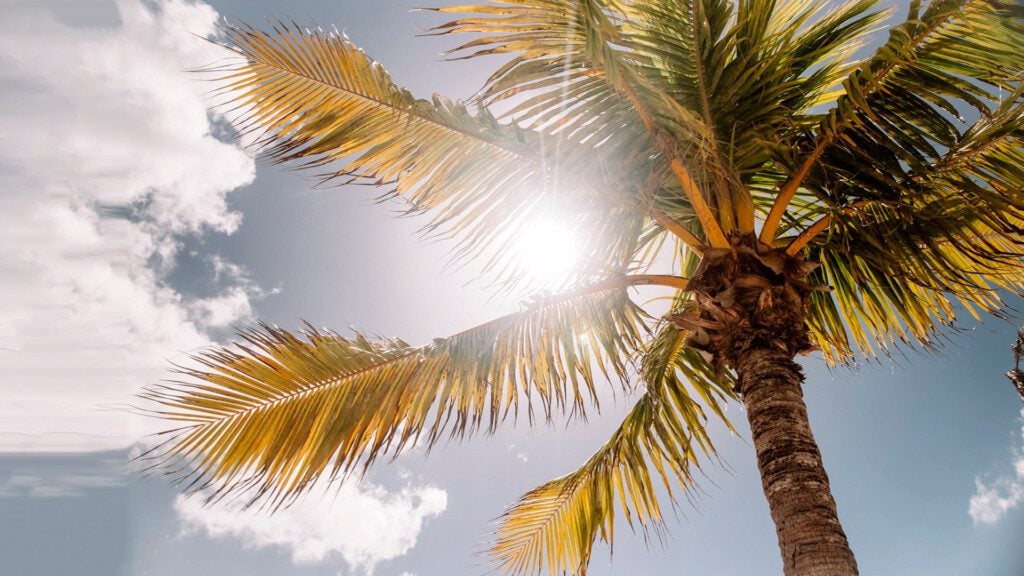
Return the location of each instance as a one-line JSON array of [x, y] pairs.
[[321, 103], [278, 411], [553, 527]]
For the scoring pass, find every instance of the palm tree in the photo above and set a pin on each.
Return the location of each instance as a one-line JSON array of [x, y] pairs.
[[813, 197], [1016, 375]]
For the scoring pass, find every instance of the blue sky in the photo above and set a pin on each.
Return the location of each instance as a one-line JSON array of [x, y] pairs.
[[138, 234]]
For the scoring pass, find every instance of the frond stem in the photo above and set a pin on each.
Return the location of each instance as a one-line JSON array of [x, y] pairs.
[[667, 223], [677, 229], [693, 193], [726, 211], [658, 280], [819, 226], [787, 191]]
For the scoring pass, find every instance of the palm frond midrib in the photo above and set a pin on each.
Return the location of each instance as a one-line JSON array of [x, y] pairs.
[[408, 110], [316, 386]]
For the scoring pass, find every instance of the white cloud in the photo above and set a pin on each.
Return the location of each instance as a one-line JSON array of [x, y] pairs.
[[360, 523], [521, 456], [106, 161], [992, 500], [222, 310]]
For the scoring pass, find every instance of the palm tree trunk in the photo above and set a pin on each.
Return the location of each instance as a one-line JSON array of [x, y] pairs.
[[796, 486]]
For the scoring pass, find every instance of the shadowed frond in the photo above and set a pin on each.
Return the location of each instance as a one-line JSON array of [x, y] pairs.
[[903, 108], [279, 410], [955, 237], [553, 527], [898, 301]]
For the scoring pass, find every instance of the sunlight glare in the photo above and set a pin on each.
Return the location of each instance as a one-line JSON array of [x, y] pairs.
[[547, 251]]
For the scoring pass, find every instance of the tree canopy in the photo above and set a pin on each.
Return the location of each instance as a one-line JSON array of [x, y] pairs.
[[895, 176]]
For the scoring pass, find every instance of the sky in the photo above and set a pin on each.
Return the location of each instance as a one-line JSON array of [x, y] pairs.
[[137, 231]]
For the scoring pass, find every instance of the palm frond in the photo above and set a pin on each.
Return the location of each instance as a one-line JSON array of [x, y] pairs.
[[954, 237], [885, 297], [320, 103], [903, 108], [554, 526], [750, 71], [569, 61], [280, 410], [723, 93], [575, 75]]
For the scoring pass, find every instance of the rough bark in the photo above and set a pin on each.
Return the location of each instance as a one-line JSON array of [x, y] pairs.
[[811, 538]]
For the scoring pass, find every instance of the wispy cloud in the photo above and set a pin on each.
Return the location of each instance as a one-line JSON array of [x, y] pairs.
[[360, 523], [107, 161], [35, 481], [993, 499]]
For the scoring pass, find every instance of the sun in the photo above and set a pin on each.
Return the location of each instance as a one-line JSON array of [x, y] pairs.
[[546, 251]]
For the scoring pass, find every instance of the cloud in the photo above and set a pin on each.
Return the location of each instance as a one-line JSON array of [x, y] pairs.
[[361, 523], [107, 161], [33, 481], [992, 500], [521, 456]]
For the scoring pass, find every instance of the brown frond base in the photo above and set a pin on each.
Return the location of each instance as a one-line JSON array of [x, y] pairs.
[[750, 296]]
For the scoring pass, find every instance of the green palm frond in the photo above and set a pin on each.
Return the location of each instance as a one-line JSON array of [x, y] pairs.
[[786, 67], [750, 71], [568, 69], [553, 527], [913, 215], [749, 79], [955, 237], [874, 309], [903, 108], [724, 93], [278, 411], [883, 297]]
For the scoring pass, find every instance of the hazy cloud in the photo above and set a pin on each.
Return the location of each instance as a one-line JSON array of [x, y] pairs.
[[521, 456], [993, 499], [107, 161], [362, 523], [34, 481]]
